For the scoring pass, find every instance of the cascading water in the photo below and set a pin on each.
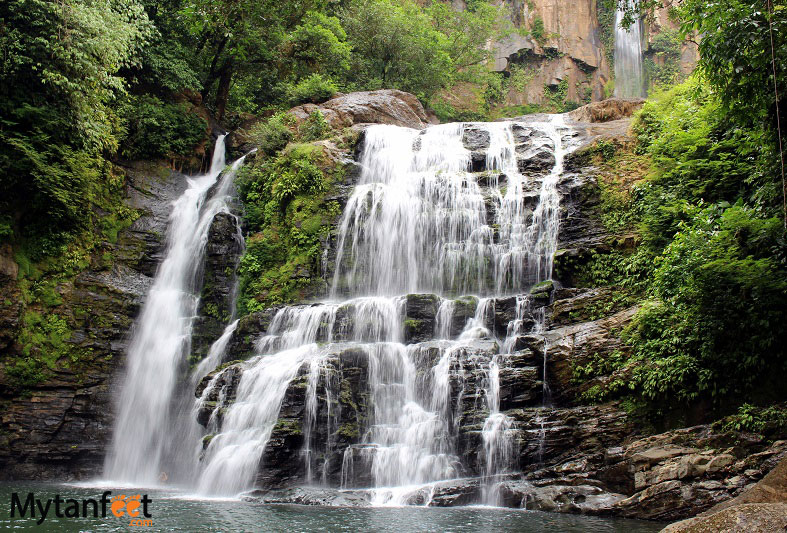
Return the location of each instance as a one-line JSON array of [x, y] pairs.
[[629, 69], [418, 221], [148, 428]]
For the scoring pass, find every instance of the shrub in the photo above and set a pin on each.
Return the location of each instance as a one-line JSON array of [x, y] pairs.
[[314, 89], [314, 128], [274, 134]]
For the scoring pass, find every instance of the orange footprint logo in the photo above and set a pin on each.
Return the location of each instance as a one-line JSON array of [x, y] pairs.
[[122, 504]]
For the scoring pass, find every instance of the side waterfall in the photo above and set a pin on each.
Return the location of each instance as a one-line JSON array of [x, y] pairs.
[[629, 68], [417, 221], [148, 432]]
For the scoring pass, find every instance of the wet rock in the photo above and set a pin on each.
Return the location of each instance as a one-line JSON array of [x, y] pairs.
[[539, 159], [420, 312], [475, 138], [576, 344], [576, 305], [464, 310], [310, 496], [541, 294], [59, 429], [456, 492], [9, 270], [576, 499], [222, 253], [250, 328], [222, 386]]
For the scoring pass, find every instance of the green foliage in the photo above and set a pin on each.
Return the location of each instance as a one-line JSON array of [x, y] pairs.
[[314, 128], [274, 134], [287, 217], [318, 43], [698, 156], [714, 330], [598, 365], [736, 53], [44, 340], [468, 33], [158, 129], [315, 89], [711, 262], [59, 64], [556, 97], [765, 420], [605, 12], [520, 77], [395, 45], [538, 31]]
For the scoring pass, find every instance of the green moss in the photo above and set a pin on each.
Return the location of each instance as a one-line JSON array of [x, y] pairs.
[[544, 286], [289, 219], [288, 427], [43, 338], [349, 430]]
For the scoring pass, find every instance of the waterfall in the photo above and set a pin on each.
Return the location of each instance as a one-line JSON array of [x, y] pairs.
[[417, 221], [148, 424], [629, 70]]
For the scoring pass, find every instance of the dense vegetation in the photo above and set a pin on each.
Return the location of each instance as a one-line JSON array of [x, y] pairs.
[[712, 263]]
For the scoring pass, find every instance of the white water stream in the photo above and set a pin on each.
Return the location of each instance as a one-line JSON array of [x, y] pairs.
[[416, 222], [629, 67], [161, 338]]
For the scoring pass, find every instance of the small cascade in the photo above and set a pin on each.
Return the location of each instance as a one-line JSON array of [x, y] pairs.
[[144, 443], [629, 68], [497, 437], [443, 319], [476, 327], [231, 459], [216, 352]]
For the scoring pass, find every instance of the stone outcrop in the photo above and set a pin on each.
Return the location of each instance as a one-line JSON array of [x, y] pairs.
[[607, 110], [745, 518], [760, 507], [563, 46], [222, 253], [567, 48], [385, 106]]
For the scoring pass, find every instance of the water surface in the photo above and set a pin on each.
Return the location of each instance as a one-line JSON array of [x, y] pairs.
[[174, 511]]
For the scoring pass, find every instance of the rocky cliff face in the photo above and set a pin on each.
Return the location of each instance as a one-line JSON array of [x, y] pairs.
[[567, 48], [58, 428]]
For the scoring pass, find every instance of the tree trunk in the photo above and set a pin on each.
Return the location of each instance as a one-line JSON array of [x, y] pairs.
[[223, 92]]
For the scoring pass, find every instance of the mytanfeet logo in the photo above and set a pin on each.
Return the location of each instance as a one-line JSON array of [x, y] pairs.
[[126, 506]]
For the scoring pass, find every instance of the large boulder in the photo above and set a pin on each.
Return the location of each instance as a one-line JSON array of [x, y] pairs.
[[385, 106], [607, 110]]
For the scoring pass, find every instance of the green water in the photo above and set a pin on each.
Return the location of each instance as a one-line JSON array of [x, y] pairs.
[[178, 512]]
